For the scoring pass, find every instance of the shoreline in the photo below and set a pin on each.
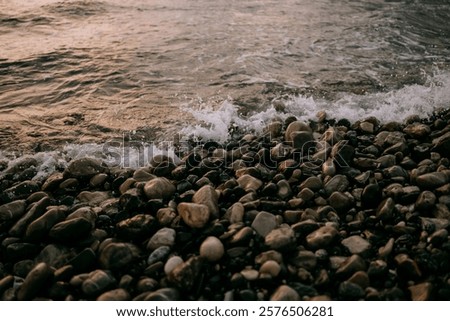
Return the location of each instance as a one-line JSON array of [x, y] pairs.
[[325, 210]]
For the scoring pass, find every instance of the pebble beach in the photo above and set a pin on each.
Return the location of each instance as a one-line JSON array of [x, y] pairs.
[[322, 210]]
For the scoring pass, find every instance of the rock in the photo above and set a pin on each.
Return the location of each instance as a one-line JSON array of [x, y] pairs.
[[33, 213], [274, 129], [249, 183], [235, 213], [84, 168], [350, 291], [321, 237], [164, 294], [351, 265], [115, 295], [341, 202], [430, 181], [338, 183], [84, 212], [143, 175], [313, 183], [137, 227], [284, 189], [166, 216], [356, 245], [342, 153], [12, 211], [378, 269], [93, 198], [438, 237], [306, 260], [212, 249], [301, 139], [184, 276], [163, 237], [264, 223], [159, 188], [285, 293], [172, 263], [385, 210], [425, 201], [270, 267], [19, 191], [34, 282], [421, 292], [96, 180], [360, 278], [269, 255], [371, 196], [83, 261], [207, 196], [40, 227], [250, 274], [417, 130], [116, 256], [441, 145], [97, 282], [441, 211], [295, 126], [281, 239], [407, 268], [55, 255], [159, 254], [194, 215], [71, 230]]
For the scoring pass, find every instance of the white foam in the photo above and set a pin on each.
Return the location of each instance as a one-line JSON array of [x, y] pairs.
[[395, 105]]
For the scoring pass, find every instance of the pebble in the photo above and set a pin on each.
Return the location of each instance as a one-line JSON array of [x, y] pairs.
[[281, 239], [12, 211], [163, 237], [356, 245], [116, 256], [430, 181], [321, 237], [194, 215], [33, 213], [137, 227], [184, 276], [338, 183], [270, 267], [212, 249], [350, 291], [421, 291], [172, 263], [425, 201], [159, 188], [264, 223], [235, 213], [158, 254], [207, 196], [70, 230], [115, 295], [34, 282], [97, 282], [249, 183], [84, 168], [40, 227], [351, 265], [285, 293]]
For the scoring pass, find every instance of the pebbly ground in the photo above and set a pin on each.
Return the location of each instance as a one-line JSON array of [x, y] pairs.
[[307, 211]]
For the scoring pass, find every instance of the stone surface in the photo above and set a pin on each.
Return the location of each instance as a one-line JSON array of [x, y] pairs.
[[194, 215], [207, 196], [249, 183], [97, 282], [84, 168], [356, 245], [264, 223], [116, 256], [184, 276], [212, 249], [163, 237], [321, 237], [35, 282], [285, 293], [159, 188], [281, 239], [70, 230]]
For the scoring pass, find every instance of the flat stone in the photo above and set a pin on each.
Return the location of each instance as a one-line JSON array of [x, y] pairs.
[[281, 239], [159, 188], [194, 215], [236, 213], [212, 249], [163, 237], [356, 245], [264, 223], [249, 183], [321, 237], [430, 181], [71, 230], [84, 168], [207, 195]]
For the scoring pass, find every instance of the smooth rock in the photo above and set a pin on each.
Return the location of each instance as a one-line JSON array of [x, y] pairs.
[[264, 223], [236, 213], [172, 263], [421, 291], [93, 198], [350, 291], [313, 183], [305, 259], [281, 239], [270, 267], [249, 183], [163, 237], [356, 245], [341, 202], [338, 183], [97, 282], [212, 249], [351, 265], [296, 126], [159, 188], [12, 211], [207, 196], [71, 230], [84, 168], [34, 282], [185, 275], [159, 254], [430, 181], [425, 201], [194, 215], [385, 210], [321, 237], [33, 213], [137, 227], [40, 227], [116, 256]]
